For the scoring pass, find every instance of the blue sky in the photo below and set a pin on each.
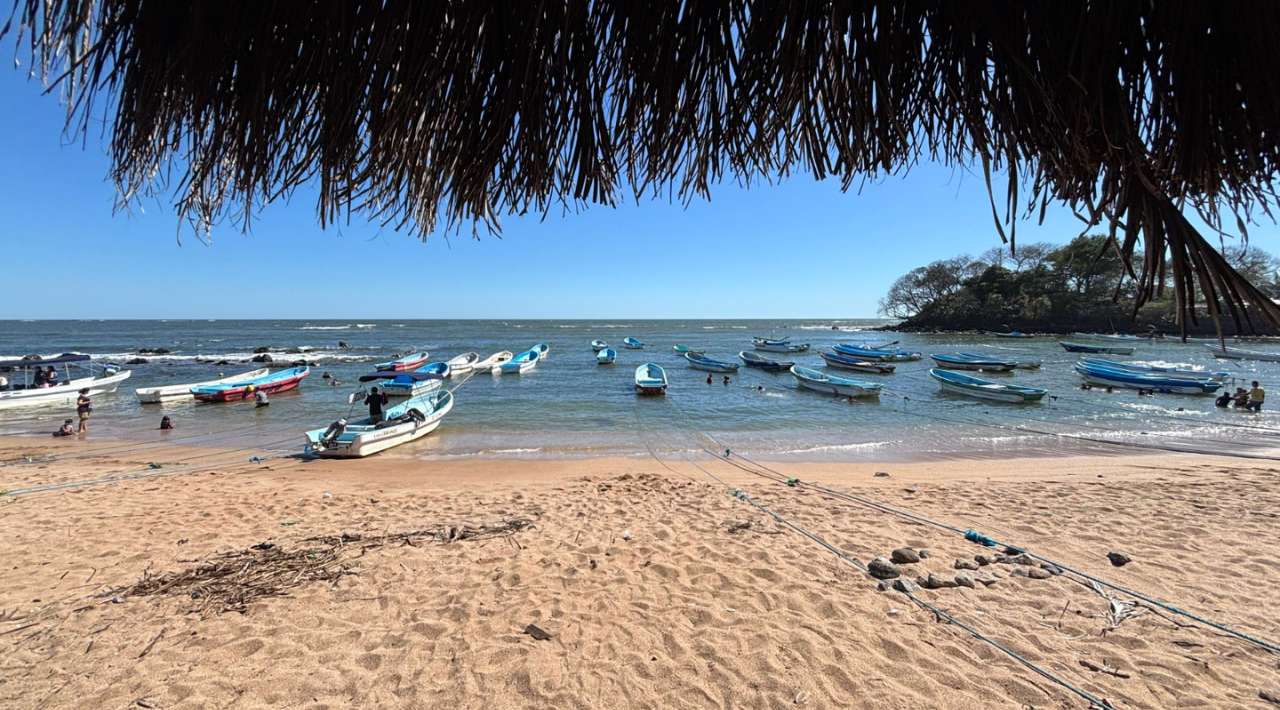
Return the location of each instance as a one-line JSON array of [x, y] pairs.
[[796, 249]]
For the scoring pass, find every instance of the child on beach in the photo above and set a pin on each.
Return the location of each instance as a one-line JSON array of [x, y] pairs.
[[166, 423], [84, 407], [66, 429]]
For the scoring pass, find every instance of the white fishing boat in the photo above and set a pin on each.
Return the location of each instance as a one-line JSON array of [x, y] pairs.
[[632, 343], [523, 362], [166, 393], [21, 388], [493, 362], [606, 356], [598, 345], [405, 422], [1228, 353], [651, 379], [543, 350], [819, 381], [463, 364]]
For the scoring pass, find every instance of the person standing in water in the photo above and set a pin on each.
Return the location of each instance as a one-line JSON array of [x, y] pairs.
[[1256, 397], [376, 400], [84, 407]]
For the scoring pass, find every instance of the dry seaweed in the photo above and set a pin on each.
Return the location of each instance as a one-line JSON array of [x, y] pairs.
[[231, 581]]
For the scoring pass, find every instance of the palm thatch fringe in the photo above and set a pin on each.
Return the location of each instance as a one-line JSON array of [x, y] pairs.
[[1129, 111]]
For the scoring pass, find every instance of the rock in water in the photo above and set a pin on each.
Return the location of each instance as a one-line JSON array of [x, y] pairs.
[[966, 564], [880, 568], [1119, 559], [904, 556], [260, 358]]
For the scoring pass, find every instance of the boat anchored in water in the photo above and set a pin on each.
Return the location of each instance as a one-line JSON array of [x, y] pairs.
[[1095, 349], [763, 363], [698, 361], [166, 393], [463, 364], [411, 384], [598, 345], [606, 356], [877, 354], [278, 381], [522, 362], [972, 361], [819, 381], [1095, 374], [854, 364], [410, 420], [970, 386], [632, 344], [1227, 353], [412, 361], [493, 362], [65, 390], [543, 350], [651, 379], [776, 345]]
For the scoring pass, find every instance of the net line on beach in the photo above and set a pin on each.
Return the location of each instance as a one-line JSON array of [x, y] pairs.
[[938, 613], [760, 469]]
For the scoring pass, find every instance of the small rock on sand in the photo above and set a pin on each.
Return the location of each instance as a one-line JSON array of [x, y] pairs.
[[924, 554], [1271, 695], [1118, 559], [966, 580], [904, 585], [983, 560], [880, 568], [933, 581], [537, 633], [1039, 573], [1023, 559], [905, 556], [985, 579], [881, 474], [966, 564]]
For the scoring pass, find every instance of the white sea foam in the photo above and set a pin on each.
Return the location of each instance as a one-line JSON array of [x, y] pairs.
[[864, 446]]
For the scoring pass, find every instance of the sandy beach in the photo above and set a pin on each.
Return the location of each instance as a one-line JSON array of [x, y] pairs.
[[656, 587]]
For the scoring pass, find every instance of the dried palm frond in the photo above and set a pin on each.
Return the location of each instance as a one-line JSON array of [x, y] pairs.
[[1129, 111]]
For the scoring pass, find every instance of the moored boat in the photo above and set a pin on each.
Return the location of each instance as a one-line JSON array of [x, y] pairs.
[[606, 356], [1013, 334], [1113, 337], [1186, 373], [410, 420], [412, 361], [698, 361], [632, 343], [463, 364], [681, 349], [414, 383], [1229, 353], [1109, 377], [278, 381], [493, 362], [972, 361], [777, 345], [166, 393], [523, 362], [854, 364], [819, 381], [1096, 349], [877, 354], [764, 363], [598, 345], [27, 394], [651, 379], [543, 350], [970, 386]]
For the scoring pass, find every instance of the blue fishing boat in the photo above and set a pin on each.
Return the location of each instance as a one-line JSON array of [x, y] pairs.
[[414, 383], [410, 420], [855, 364], [598, 345], [632, 344], [1095, 349], [877, 354], [1013, 334], [970, 386], [764, 363], [606, 356], [819, 381], [1110, 377], [523, 362], [1187, 373], [698, 361], [543, 350], [651, 379], [972, 361], [681, 349]]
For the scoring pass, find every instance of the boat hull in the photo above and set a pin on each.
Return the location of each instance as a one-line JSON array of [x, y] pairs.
[[1095, 349], [1241, 354], [781, 348], [521, 363], [848, 362], [367, 440], [827, 384], [249, 389], [650, 379], [877, 355], [1128, 380], [62, 394], [463, 364], [965, 386], [155, 395], [404, 364], [494, 362]]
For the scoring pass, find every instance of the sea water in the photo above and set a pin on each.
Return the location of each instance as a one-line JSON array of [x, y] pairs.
[[571, 406]]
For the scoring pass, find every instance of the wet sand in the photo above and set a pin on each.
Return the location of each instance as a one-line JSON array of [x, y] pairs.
[[657, 587]]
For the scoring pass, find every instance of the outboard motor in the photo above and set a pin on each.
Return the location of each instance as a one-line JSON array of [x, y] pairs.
[[333, 432]]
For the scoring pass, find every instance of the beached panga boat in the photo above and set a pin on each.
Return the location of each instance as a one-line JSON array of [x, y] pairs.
[[972, 361], [493, 362], [25, 394], [819, 381], [415, 383], [412, 419], [523, 362], [877, 354], [463, 364], [775, 345], [543, 350], [412, 361], [598, 345], [651, 379], [632, 344], [165, 393], [1186, 373], [606, 356], [1096, 349], [278, 381], [698, 361], [764, 363], [1108, 377], [1229, 353], [854, 364], [970, 386]]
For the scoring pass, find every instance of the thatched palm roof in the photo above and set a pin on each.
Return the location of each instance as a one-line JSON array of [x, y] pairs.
[[414, 112]]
